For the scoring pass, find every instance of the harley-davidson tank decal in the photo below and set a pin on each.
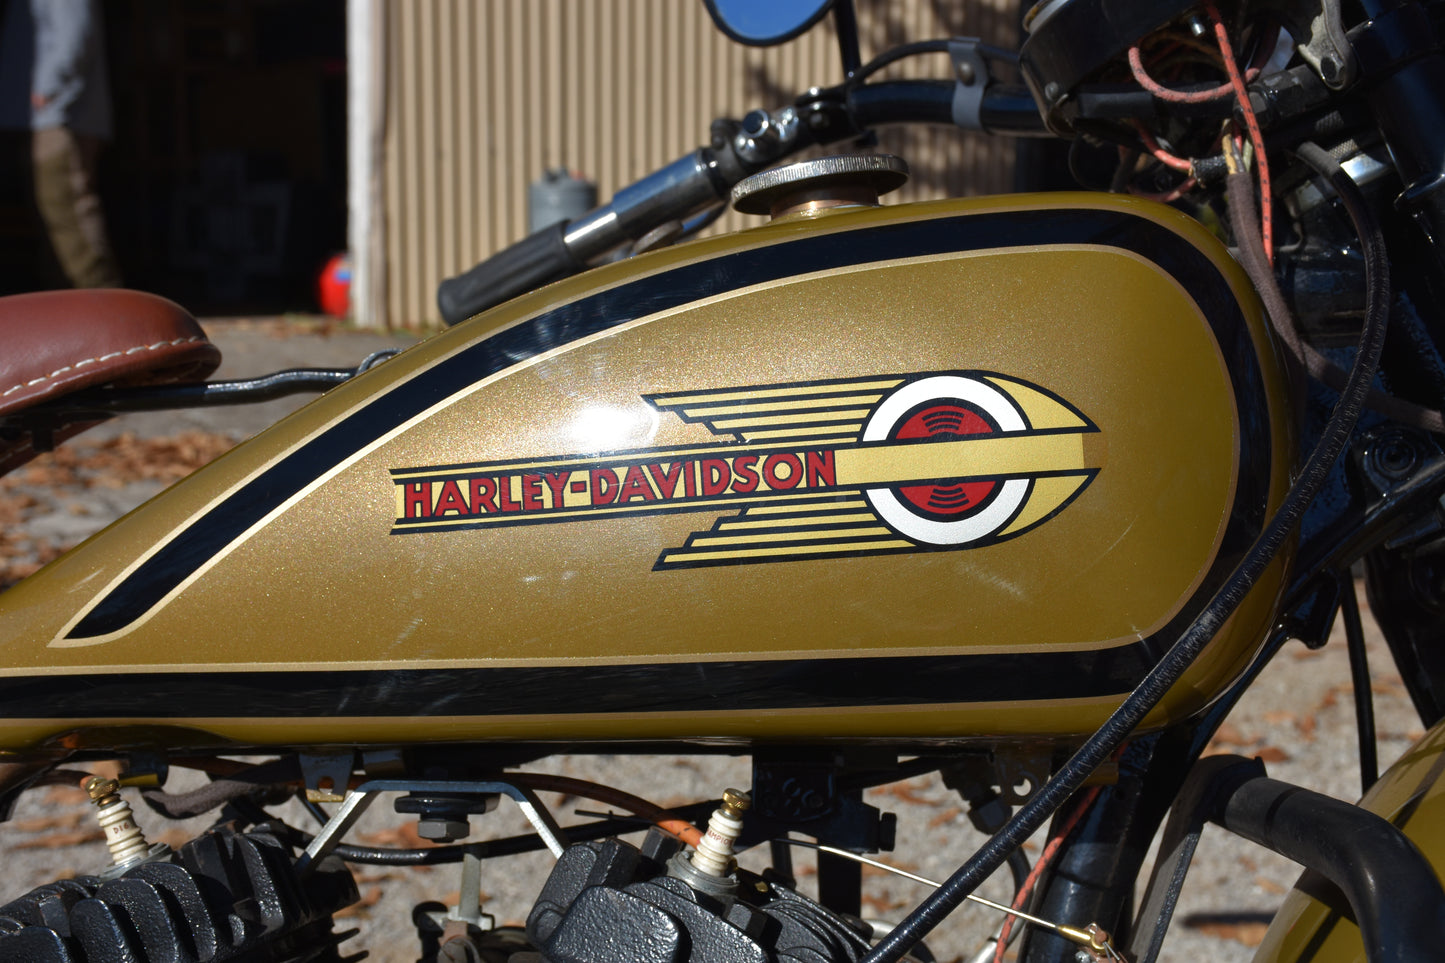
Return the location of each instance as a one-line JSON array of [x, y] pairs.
[[859, 466], [1000, 402]]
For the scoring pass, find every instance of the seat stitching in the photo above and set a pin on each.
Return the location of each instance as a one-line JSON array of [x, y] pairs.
[[99, 358]]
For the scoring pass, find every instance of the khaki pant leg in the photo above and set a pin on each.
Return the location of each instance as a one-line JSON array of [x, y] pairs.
[[66, 195]]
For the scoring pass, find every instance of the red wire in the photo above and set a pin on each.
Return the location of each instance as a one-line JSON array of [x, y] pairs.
[[1162, 155], [1252, 123], [1165, 197], [1136, 64], [1050, 850]]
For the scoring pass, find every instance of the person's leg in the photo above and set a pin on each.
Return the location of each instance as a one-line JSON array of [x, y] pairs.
[[66, 194]]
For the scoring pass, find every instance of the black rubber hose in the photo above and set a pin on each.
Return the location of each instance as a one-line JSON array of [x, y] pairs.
[[1392, 889], [1006, 108], [1102, 744], [1360, 682], [223, 790], [901, 102]]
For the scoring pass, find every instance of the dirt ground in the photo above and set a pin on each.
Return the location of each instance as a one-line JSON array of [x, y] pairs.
[[1298, 718]]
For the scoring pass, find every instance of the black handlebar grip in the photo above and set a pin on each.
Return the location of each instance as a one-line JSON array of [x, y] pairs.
[[528, 264]]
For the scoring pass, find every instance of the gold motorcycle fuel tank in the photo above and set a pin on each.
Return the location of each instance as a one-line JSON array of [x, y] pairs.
[[957, 470]]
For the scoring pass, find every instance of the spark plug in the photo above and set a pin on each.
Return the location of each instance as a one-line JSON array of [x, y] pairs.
[[126, 841], [714, 853]]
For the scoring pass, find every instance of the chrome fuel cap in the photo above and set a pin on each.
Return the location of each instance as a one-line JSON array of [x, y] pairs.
[[851, 180]]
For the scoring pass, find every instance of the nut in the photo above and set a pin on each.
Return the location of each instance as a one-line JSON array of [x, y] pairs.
[[98, 787], [736, 802], [443, 830]]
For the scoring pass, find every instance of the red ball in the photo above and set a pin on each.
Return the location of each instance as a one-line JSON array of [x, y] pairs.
[[333, 287]]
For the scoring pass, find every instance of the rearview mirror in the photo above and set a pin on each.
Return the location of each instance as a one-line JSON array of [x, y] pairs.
[[763, 23]]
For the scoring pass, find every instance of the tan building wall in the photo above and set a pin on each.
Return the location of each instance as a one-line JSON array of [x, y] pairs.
[[476, 99]]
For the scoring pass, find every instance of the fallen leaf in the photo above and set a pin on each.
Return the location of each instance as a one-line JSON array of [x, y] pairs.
[[1306, 726], [1278, 716], [65, 795], [1250, 933], [57, 840], [1241, 926], [908, 792], [1229, 734], [883, 902], [174, 838], [1271, 754], [68, 820], [869, 871], [1269, 885], [403, 836], [370, 898], [947, 816]]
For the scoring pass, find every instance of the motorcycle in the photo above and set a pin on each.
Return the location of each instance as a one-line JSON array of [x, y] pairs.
[[1025, 491]]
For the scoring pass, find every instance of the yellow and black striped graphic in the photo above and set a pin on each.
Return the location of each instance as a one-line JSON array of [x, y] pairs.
[[858, 466]]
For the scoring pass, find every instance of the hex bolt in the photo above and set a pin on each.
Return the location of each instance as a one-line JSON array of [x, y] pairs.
[[714, 853], [443, 830], [124, 838]]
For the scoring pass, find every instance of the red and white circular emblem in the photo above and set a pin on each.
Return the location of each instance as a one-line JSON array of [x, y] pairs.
[[941, 511]]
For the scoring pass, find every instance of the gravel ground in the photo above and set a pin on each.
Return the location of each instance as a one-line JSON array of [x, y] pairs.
[[1298, 718]]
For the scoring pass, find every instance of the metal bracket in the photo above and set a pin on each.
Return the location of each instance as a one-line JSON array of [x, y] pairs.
[[1319, 28], [971, 72], [326, 774], [1019, 768], [468, 910], [358, 801]]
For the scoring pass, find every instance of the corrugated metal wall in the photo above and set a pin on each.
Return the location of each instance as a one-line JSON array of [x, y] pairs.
[[481, 97]]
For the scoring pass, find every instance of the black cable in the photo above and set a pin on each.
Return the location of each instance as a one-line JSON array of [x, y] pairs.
[[892, 56], [896, 54], [1019, 867], [1098, 747], [1360, 681]]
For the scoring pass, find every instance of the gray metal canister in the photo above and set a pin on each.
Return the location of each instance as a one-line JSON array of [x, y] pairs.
[[558, 195]]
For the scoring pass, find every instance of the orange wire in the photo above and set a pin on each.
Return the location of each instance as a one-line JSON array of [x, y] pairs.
[[1241, 94], [1050, 851]]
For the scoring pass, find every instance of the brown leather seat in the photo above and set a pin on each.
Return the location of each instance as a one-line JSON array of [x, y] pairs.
[[53, 343]]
